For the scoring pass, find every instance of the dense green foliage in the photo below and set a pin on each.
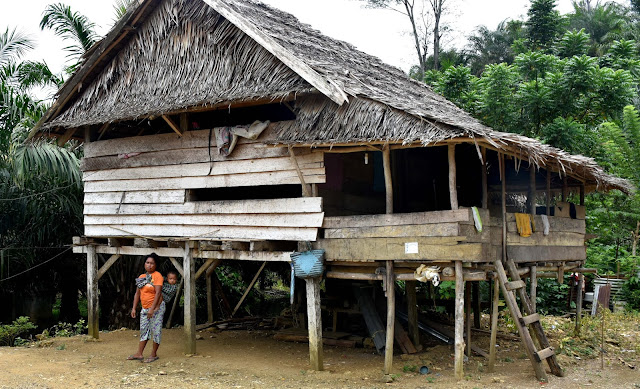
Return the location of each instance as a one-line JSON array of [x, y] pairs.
[[10, 332], [571, 81]]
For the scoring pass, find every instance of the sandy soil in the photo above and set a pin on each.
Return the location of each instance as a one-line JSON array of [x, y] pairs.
[[240, 359]]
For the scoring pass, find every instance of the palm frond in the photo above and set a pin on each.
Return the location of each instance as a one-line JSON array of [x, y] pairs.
[[13, 44], [31, 73], [70, 25], [120, 8]]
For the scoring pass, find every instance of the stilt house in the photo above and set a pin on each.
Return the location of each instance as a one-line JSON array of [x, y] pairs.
[[220, 130]]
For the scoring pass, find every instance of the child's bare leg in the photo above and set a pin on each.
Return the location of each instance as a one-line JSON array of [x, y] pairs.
[[155, 349]]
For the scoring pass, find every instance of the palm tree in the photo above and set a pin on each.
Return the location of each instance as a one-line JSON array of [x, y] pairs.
[[492, 46], [605, 23], [71, 26]]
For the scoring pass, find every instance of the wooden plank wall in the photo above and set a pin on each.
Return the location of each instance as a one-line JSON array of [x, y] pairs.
[[137, 187], [383, 237]]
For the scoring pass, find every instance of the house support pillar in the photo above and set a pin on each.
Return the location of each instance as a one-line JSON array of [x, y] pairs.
[[579, 303], [314, 321], [412, 312], [467, 316], [459, 324], [390, 283], [189, 300], [453, 191], [494, 324], [92, 292]]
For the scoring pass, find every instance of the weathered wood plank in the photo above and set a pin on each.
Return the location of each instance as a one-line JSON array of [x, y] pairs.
[[538, 239], [254, 220], [443, 229], [397, 219], [556, 224], [311, 176], [309, 161], [170, 252], [521, 254], [203, 232], [394, 248], [269, 206], [314, 323], [137, 197], [92, 292], [183, 157]]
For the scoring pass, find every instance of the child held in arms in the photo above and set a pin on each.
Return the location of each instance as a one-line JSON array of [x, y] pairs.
[[169, 286]]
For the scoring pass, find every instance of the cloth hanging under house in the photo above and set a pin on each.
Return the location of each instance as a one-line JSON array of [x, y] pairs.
[[523, 223]]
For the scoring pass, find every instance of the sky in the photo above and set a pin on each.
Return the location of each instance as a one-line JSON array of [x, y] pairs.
[[382, 33]]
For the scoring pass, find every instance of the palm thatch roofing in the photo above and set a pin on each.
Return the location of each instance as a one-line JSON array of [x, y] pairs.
[[171, 55]]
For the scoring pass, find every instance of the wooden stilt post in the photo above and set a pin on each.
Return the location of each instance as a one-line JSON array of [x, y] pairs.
[[453, 191], [92, 292], [391, 318], [548, 196], [533, 273], [581, 194], [459, 324], [189, 300], [314, 321], [565, 189], [531, 198], [485, 187], [476, 304], [503, 200], [579, 303], [388, 182], [412, 312], [209, 299], [208, 274], [467, 316], [494, 324]]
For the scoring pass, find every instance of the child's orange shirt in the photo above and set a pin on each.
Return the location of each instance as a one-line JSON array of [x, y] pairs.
[[148, 292]]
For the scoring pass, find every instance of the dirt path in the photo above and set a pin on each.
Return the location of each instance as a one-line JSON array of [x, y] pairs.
[[237, 359]]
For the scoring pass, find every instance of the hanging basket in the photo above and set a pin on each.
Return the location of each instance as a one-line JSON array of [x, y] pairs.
[[308, 264]]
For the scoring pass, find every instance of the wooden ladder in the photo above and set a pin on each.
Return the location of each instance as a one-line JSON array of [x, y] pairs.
[[530, 322]]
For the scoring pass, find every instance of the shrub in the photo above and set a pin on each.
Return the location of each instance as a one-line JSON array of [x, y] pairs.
[[10, 332]]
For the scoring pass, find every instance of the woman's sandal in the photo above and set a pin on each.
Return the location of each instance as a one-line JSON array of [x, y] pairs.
[[134, 358], [150, 359]]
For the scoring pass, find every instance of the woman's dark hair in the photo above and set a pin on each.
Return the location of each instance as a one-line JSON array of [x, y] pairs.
[[155, 257]]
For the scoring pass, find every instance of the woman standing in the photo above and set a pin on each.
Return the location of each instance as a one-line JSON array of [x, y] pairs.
[[149, 294]]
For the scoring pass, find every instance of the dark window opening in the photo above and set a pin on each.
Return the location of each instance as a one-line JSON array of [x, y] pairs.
[[245, 193], [355, 184], [198, 121]]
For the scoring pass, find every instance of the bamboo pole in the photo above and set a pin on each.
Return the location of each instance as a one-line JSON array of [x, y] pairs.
[[391, 318], [485, 185], [246, 292], [494, 324], [459, 324], [388, 182], [453, 192]]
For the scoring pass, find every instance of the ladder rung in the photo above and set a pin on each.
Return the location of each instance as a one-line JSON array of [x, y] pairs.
[[515, 285], [544, 354], [529, 319]]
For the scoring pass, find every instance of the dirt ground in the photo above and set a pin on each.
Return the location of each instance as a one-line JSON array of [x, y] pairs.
[[242, 359]]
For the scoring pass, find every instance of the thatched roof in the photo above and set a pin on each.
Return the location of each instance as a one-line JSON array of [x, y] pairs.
[[167, 55]]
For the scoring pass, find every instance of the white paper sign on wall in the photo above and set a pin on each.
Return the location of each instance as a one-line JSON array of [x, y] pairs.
[[411, 248]]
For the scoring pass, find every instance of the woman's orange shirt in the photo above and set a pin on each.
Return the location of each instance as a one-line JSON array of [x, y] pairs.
[[148, 292]]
